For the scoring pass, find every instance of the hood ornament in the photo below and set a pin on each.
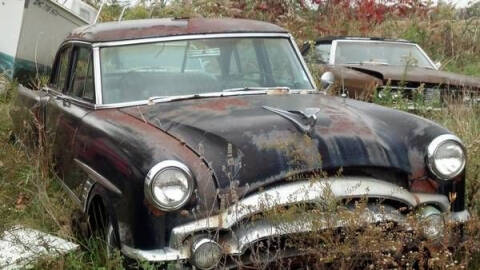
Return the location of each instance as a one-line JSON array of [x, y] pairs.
[[308, 114]]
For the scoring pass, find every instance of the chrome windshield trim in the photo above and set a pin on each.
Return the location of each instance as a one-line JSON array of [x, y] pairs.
[[302, 62], [186, 37], [98, 73]]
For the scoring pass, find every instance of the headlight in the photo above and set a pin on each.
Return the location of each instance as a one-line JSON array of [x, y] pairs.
[[169, 185], [446, 156]]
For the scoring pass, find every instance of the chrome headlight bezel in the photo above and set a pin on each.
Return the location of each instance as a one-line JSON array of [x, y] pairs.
[[158, 169], [431, 155]]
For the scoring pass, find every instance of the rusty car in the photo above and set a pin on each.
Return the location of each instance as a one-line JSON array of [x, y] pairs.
[[362, 66], [171, 134]]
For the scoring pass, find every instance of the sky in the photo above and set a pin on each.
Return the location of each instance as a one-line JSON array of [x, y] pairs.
[[460, 3]]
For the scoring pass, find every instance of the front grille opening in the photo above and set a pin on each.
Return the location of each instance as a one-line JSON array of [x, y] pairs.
[[322, 249]]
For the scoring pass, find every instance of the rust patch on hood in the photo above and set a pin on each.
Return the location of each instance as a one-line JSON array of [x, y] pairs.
[[221, 104]]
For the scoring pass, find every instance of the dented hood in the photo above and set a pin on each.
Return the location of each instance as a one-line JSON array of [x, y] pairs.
[[247, 144], [417, 74]]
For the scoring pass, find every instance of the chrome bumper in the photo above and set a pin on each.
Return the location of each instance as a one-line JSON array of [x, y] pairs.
[[338, 188]]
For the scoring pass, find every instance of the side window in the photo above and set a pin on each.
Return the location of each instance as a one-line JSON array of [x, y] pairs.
[[61, 70], [81, 84], [321, 53]]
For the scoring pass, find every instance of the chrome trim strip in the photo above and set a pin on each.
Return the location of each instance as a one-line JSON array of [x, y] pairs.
[[98, 177], [97, 73], [333, 51], [432, 148], [302, 62], [426, 56], [74, 42], [70, 192], [186, 37]]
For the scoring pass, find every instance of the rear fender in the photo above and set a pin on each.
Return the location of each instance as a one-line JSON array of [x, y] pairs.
[[28, 114]]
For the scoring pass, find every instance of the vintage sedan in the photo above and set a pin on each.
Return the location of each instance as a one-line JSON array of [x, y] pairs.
[[360, 66], [174, 133]]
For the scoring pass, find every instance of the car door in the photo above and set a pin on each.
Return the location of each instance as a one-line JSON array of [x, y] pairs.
[[73, 98]]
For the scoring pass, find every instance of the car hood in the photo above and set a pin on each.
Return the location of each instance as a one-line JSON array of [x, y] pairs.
[[249, 145], [417, 74]]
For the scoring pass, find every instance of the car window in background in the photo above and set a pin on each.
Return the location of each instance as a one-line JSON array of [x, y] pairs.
[[140, 71], [382, 53], [322, 52]]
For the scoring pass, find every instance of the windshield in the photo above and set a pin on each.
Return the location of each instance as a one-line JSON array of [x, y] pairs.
[[138, 72], [381, 53]]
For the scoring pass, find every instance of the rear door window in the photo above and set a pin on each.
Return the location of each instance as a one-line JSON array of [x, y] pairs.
[[81, 85], [61, 69]]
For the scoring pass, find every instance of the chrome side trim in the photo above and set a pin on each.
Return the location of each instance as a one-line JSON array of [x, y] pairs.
[[72, 194], [98, 178]]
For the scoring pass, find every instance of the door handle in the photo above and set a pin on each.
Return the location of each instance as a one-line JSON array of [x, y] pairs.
[[65, 100]]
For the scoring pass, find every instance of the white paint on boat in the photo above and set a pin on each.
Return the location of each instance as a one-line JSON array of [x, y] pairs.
[[21, 247], [32, 30]]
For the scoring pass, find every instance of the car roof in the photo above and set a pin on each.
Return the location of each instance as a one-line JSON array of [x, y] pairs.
[[151, 28], [332, 38]]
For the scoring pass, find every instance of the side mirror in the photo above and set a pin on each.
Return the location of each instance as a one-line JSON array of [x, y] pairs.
[[438, 64], [327, 80]]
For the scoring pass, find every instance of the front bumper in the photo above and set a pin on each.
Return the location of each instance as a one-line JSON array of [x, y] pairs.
[[241, 234]]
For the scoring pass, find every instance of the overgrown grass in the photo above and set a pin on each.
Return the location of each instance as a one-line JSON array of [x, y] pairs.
[[31, 196]]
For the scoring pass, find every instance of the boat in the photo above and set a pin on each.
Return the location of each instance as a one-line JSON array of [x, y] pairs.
[[32, 30]]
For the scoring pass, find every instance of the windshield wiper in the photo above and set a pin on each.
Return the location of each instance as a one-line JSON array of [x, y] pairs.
[[171, 98], [367, 63], [243, 89]]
